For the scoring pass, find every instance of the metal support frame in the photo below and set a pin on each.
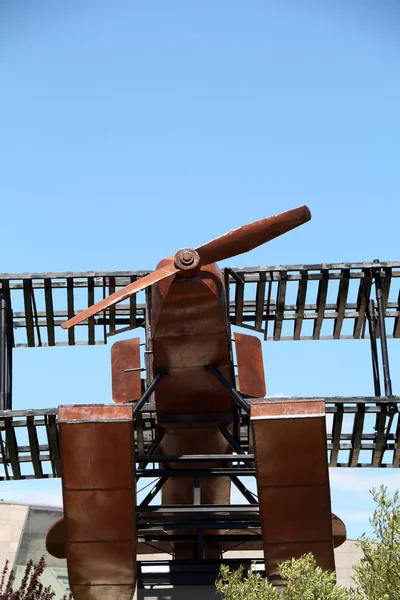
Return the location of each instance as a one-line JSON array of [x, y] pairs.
[[235, 444], [199, 543], [257, 312], [228, 386], [152, 450], [153, 492], [371, 316], [382, 329], [377, 327], [149, 391], [246, 493], [203, 572], [6, 343], [376, 317]]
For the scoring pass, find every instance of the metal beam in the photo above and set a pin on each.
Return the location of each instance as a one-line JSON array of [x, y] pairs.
[[5, 353], [228, 386], [382, 330], [139, 405], [255, 314]]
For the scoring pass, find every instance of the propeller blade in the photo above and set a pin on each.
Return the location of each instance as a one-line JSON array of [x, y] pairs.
[[122, 294], [252, 235]]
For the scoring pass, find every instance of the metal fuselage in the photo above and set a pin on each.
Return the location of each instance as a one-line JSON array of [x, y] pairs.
[[189, 330]]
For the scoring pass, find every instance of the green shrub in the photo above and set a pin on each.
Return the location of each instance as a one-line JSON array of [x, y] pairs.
[[376, 577], [302, 580]]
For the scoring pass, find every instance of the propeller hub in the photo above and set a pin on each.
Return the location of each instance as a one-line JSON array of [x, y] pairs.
[[187, 260], [186, 257]]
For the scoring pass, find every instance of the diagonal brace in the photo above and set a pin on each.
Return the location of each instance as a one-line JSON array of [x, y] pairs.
[[149, 391], [228, 386], [235, 445]]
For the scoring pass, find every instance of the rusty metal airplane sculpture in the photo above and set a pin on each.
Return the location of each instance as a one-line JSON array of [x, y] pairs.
[[195, 394]]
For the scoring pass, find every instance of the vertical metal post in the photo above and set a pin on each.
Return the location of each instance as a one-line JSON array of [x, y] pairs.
[[196, 490], [148, 354], [374, 348], [148, 392], [10, 342], [235, 408], [199, 546], [382, 327], [199, 549], [5, 353]]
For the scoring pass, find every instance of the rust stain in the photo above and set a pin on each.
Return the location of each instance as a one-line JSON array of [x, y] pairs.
[[99, 501], [126, 383], [250, 365], [293, 482], [94, 412]]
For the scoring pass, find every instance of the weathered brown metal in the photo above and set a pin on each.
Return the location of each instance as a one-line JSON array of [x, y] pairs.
[[125, 368], [99, 500], [190, 330], [293, 481], [190, 336], [338, 531], [250, 236], [250, 365], [188, 261], [252, 301], [120, 295], [56, 539]]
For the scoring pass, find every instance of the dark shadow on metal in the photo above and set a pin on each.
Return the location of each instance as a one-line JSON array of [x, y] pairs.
[[151, 451]]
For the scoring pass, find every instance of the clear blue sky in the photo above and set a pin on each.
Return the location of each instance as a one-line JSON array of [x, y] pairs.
[[131, 129]]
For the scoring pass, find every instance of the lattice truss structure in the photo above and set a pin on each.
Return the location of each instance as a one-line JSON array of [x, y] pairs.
[[301, 302], [298, 302]]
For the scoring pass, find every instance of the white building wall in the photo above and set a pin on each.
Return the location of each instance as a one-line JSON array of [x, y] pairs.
[[346, 557], [12, 521]]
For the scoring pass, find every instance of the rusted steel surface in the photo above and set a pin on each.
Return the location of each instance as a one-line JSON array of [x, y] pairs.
[[56, 539], [99, 500], [289, 408], [188, 261], [190, 330], [125, 368], [250, 365], [121, 295], [189, 339], [83, 413], [250, 236], [293, 481], [338, 531]]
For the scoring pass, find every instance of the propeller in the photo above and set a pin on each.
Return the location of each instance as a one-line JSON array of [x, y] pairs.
[[188, 261]]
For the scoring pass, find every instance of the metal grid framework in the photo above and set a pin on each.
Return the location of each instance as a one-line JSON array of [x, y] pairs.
[[361, 432], [300, 302], [297, 302]]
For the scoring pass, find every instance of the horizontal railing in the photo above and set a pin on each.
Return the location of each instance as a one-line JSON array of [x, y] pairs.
[[361, 432]]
